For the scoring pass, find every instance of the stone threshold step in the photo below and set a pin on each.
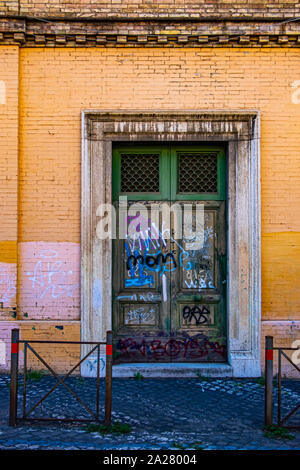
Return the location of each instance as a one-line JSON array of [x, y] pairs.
[[164, 370]]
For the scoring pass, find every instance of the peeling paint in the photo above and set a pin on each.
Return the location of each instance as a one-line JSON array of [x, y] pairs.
[[97, 294], [2, 352]]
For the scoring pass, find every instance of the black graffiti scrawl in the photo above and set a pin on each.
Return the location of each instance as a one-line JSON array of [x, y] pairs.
[[197, 314]]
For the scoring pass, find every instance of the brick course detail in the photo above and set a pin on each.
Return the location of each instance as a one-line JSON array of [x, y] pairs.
[[152, 9]]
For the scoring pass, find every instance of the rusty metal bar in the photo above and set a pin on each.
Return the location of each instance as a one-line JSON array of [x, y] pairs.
[[61, 381], [269, 381], [24, 379], [108, 378], [58, 379], [289, 415], [14, 358], [282, 421], [14, 379], [98, 381], [293, 364], [64, 420], [62, 342], [279, 388]]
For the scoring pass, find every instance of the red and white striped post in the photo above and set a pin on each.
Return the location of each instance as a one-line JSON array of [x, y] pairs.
[[269, 381], [108, 377], [14, 363]]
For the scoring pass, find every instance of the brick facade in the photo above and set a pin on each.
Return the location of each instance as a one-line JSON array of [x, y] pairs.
[[151, 8], [42, 92]]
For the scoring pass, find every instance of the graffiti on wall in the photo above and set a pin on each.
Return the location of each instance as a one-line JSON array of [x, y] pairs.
[[50, 276], [164, 347], [91, 365], [7, 282]]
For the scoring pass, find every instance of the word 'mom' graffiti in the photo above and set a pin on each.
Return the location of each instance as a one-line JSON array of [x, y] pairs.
[[150, 261], [193, 348]]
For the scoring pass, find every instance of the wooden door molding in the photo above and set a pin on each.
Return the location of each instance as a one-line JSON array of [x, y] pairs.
[[241, 131]]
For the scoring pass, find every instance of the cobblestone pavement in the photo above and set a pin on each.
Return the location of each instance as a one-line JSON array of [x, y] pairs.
[[163, 414]]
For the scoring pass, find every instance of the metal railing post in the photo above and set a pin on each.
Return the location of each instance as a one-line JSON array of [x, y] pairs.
[[269, 381], [14, 362], [108, 377]]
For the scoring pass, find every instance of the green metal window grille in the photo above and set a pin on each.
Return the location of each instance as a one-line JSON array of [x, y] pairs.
[[139, 173], [197, 173]]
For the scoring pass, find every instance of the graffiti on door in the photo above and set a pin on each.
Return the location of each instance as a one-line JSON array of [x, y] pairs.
[[145, 256], [198, 346], [169, 276]]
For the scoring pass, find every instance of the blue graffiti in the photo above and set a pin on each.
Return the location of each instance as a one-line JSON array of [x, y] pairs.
[[155, 261], [182, 257], [140, 281], [92, 364]]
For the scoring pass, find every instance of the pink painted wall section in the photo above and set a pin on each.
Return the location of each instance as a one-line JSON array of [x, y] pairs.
[[5, 343], [8, 289], [49, 281], [286, 334]]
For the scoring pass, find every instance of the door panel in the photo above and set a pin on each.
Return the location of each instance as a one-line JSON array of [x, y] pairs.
[[141, 307], [198, 287], [169, 292]]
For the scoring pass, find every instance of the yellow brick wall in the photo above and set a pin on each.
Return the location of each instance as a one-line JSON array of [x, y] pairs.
[[9, 88], [9, 96], [56, 84]]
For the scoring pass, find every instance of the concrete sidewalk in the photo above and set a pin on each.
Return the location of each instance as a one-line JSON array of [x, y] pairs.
[[163, 414]]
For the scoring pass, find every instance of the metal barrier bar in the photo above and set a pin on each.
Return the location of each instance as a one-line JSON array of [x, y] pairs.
[[289, 360], [269, 349], [279, 389], [108, 381], [59, 381], [53, 373], [14, 358], [24, 380], [14, 379], [98, 382], [61, 342], [269, 381]]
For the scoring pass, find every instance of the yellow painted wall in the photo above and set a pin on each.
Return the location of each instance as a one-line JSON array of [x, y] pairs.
[[9, 115], [56, 84]]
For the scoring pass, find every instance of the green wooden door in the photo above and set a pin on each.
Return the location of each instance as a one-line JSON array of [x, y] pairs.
[[169, 283]]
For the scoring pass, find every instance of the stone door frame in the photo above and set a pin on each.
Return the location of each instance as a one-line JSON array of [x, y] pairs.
[[241, 131]]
